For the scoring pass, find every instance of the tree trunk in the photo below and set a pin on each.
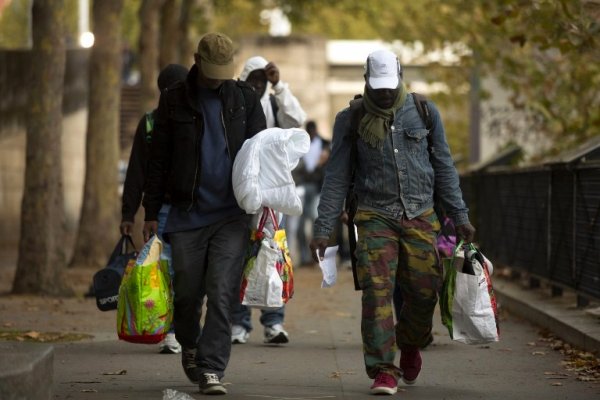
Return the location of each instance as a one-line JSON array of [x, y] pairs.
[[99, 221], [149, 52], [41, 263], [186, 47], [169, 33]]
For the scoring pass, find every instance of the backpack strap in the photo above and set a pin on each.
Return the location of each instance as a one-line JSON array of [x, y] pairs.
[[357, 111], [423, 110], [275, 108], [149, 126]]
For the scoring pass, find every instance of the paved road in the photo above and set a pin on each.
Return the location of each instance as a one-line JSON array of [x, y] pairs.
[[322, 361]]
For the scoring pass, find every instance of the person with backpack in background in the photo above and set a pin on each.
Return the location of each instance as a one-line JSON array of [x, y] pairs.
[[282, 110], [201, 124], [394, 169], [133, 188]]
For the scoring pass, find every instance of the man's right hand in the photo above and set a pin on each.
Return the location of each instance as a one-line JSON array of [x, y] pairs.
[[318, 244], [150, 228], [272, 73], [126, 228]]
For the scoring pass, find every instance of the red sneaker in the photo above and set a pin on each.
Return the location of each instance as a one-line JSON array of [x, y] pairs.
[[410, 364], [384, 384]]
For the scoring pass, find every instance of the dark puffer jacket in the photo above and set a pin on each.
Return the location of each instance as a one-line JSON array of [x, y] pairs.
[[175, 154]]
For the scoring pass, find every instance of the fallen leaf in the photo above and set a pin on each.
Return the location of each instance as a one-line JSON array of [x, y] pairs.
[[121, 372], [556, 384], [587, 379], [531, 344], [338, 374], [538, 353], [8, 324], [32, 334], [555, 373]]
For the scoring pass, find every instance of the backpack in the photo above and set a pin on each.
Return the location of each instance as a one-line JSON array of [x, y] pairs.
[[357, 111], [149, 127]]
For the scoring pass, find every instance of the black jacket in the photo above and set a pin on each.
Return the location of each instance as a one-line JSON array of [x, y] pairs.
[[133, 188], [178, 128]]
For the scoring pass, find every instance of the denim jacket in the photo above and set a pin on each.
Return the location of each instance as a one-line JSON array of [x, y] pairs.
[[397, 179]]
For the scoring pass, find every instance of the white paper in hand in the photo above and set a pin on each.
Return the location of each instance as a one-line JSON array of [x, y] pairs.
[[328, 267]]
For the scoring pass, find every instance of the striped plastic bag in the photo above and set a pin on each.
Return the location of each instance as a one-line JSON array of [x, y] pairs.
[[145, 307]]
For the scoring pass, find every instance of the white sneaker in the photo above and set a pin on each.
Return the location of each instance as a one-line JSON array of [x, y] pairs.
[[276, 334], [169, 345], [239, 334]]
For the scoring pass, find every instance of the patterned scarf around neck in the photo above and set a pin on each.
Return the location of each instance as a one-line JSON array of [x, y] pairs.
[[375, 124]]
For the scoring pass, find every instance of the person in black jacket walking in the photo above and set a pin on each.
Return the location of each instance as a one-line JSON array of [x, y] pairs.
[[200, 126], [133, 188]]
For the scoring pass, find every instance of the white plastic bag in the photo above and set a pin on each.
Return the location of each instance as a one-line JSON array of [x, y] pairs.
[[468, 303], [264, 283]]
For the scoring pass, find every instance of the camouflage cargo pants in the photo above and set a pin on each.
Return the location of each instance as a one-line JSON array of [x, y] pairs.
[[393, 252]]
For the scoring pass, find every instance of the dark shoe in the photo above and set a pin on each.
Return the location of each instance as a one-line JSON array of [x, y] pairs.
[[410, 364], [188, 361], [384, 384], [210, 384]]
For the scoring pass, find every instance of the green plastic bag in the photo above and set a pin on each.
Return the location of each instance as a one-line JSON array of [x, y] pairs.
[[145, 307]]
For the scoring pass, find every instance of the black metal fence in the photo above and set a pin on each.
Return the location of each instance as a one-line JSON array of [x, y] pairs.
[[543, 220]]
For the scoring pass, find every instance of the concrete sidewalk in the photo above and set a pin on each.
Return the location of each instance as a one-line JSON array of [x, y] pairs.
[[323, 359]]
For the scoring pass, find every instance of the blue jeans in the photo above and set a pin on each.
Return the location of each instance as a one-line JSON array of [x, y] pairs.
[[242, 315], [309, 214]]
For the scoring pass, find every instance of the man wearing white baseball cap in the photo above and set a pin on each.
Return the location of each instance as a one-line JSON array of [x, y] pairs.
[[391, 162]]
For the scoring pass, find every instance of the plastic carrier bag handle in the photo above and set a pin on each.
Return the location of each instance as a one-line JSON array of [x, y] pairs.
[[267, 212]]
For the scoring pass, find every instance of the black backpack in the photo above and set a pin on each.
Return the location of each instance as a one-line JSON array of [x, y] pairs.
[[357, 111]]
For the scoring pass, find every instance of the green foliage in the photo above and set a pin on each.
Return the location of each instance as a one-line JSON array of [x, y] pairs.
[[130, 23], [72, 22], [15, 25], [545, 51]]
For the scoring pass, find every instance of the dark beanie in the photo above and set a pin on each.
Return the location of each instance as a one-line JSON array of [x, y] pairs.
[[171, 74]]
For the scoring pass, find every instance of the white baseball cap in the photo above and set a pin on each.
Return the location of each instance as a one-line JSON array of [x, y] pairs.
[[383, 70]]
